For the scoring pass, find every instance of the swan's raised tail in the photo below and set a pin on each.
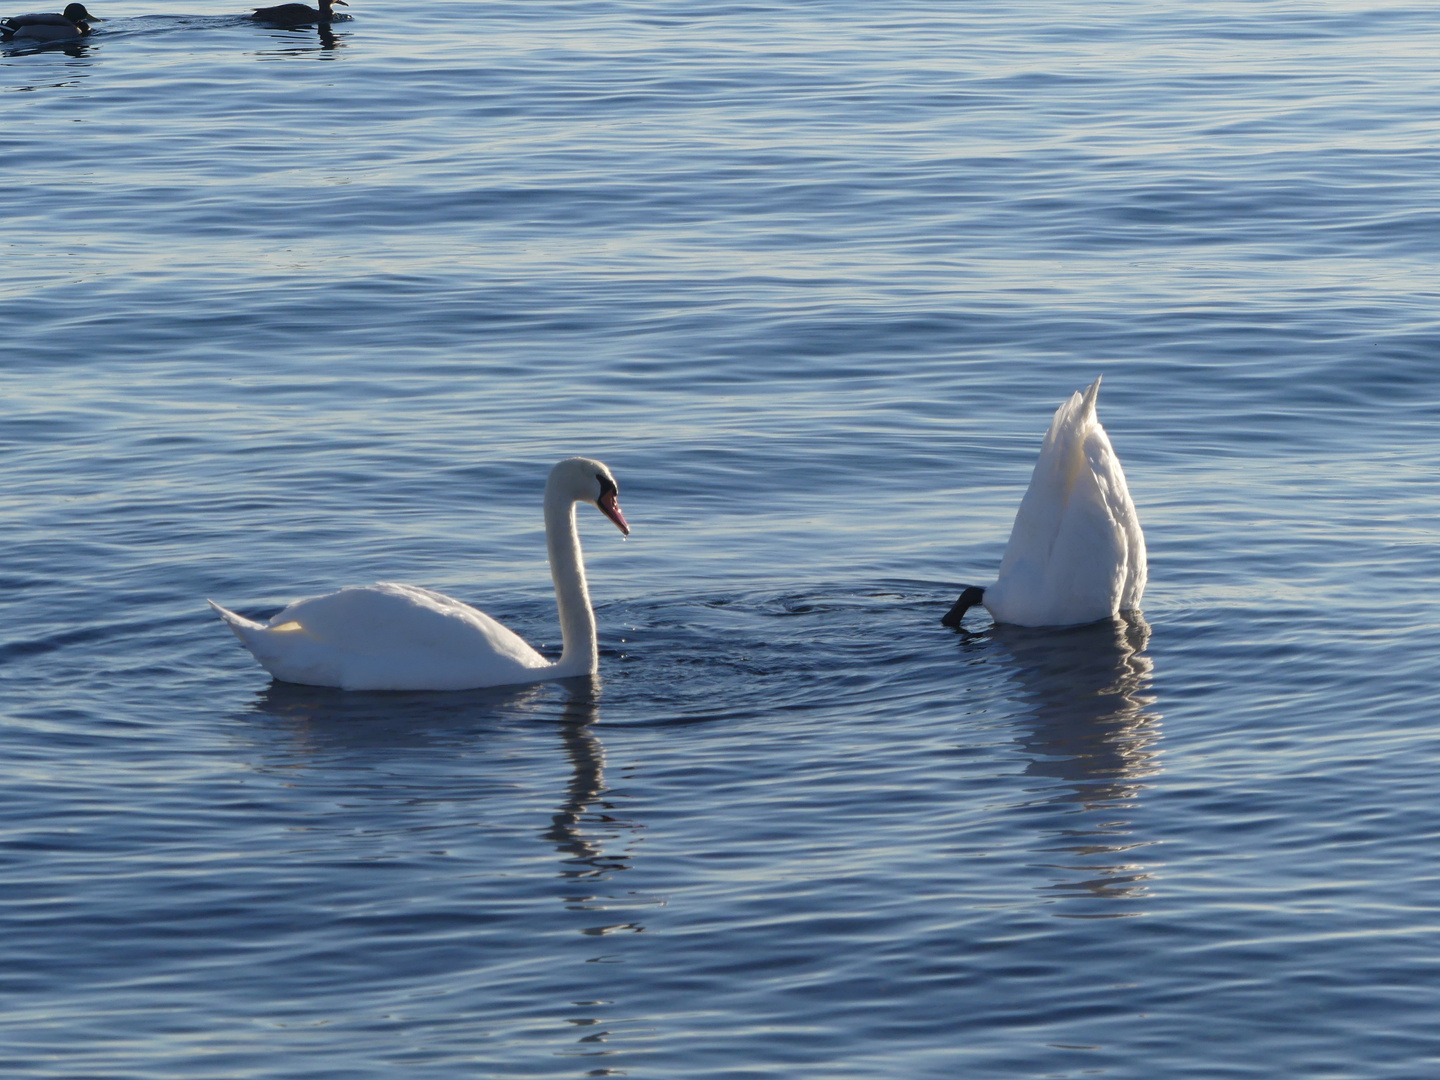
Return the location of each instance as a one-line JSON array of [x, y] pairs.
[[287, 652], [236, 622], [1076, 552], [254, 635]]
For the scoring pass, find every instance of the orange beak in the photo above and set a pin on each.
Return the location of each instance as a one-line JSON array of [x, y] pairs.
[[607, 502]]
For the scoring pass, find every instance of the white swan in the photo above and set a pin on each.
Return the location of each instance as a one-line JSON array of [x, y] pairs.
[[1076, 553], [397, 637]]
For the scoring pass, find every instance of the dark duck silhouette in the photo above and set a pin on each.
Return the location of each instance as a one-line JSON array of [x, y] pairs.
[[299, 14], [72, 23]]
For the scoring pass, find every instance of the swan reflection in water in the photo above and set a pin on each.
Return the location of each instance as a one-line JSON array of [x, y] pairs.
[[322, 723], [1094, 729], [583, 824], [321, 718], [328, 732]]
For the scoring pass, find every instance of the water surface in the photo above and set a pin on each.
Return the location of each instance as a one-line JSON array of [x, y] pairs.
[[287, 310]]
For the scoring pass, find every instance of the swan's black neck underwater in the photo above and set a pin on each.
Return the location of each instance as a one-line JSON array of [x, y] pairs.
[[972, 595]]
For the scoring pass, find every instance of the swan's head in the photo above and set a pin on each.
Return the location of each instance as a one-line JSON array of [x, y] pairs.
[[579, 479], [972, 595]]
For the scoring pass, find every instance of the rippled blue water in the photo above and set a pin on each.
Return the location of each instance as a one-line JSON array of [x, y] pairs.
[[287, 310]]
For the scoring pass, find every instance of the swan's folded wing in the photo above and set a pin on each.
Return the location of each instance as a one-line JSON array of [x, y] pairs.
[[1130, 538], [1086, 571], [388, 619], [388, 637], [1037, 522]]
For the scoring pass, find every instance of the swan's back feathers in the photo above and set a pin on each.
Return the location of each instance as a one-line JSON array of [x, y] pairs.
[[388, 637], [1133, 567], [1076, 553]]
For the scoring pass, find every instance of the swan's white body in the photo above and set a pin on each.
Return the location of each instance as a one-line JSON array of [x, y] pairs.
[[398, 637], [1076, 552]]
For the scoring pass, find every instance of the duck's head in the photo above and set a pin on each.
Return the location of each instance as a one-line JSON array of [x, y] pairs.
[[77, 14], [325, 4], [581, 479], [972, 595]]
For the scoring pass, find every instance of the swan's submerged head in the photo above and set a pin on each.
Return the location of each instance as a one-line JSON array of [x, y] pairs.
[[581, 479], [972, 595]]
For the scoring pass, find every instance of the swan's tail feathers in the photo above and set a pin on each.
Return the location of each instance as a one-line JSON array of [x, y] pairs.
[[238, 623], [1091, 393]]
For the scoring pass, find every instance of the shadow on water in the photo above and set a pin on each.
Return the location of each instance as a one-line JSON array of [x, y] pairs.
[[1093, 736]]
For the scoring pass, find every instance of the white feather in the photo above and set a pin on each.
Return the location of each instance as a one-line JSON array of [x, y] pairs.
[[399, 637], [1076, 552]]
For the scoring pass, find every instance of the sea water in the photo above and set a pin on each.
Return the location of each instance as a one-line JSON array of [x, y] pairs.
[[283, 310]]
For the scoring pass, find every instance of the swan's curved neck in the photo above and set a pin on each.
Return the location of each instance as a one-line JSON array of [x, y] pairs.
[[581, 654]]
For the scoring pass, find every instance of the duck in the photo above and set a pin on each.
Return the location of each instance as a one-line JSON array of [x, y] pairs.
[[299, 14], [399, 637], [1076, 553], [66, 25]]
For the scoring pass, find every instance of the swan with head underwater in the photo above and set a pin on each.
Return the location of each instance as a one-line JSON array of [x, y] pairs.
[[1076, 553], [398, 637], [66, 25]]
